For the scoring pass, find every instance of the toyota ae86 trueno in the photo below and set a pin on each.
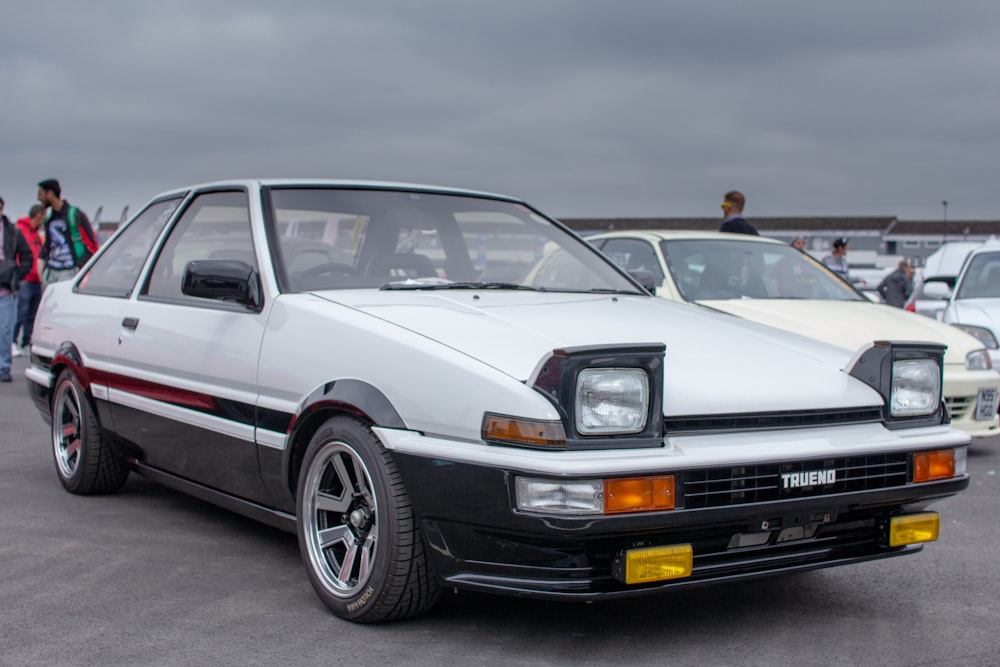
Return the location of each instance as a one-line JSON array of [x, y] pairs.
[[393, 373]]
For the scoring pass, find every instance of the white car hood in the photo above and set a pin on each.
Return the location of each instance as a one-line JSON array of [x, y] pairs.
[[850, 324], [711, 359], [977, 312]]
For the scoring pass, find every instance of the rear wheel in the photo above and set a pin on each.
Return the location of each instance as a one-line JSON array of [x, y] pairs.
[[357, 533], [85, 461]]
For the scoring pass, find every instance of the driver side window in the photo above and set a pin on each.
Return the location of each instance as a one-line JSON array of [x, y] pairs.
[[215, 226]]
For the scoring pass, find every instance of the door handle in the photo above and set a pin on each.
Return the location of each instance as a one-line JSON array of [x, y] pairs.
[[131, 323]]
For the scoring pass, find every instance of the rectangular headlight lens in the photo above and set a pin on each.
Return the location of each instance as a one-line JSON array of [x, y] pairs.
[[555, 497], [916, 387], [611, 400]]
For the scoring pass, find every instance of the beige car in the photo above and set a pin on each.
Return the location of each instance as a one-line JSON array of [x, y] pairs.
[[769, 282]]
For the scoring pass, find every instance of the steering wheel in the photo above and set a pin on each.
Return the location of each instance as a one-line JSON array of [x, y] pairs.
[[330, 267]]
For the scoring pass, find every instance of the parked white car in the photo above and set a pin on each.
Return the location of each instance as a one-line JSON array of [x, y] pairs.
[[932, 283], [772, 283], [402, 377], [974, 306]]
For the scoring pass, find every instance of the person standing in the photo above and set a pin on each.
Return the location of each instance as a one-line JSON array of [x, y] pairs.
[[897, 287], [30, 294], [732, 214], [69, 239], [15, 262], [836, 261]]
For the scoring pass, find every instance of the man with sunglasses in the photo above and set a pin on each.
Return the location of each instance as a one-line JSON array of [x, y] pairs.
[[732, 214]]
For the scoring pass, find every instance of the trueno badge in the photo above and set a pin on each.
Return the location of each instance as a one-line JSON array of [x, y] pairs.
[[799, 480]]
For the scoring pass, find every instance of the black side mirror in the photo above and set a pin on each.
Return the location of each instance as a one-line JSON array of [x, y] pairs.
[[223, 280], [644, 278]]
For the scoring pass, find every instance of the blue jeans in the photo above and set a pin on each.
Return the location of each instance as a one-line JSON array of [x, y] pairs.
[[8, 313], [27, 307]]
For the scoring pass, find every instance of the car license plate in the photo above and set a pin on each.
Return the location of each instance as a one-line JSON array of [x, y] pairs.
[[986, 408]]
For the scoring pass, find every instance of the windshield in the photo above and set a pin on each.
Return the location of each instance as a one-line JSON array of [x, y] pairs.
[[707, 269], [335, 238], [981, 279]]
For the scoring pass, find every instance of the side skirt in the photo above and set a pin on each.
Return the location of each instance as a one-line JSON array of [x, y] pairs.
[[266, 515]]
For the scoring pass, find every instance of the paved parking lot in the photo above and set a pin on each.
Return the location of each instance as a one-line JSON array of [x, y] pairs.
[[152, 577]]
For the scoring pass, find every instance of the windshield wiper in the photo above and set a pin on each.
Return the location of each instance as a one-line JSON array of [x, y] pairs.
[[437, 283]]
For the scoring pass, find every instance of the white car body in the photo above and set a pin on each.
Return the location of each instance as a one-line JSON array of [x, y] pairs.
[[974, 304], [340, 360], [845, 323]]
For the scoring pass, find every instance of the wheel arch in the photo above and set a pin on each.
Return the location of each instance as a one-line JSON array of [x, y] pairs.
[[355, 398]]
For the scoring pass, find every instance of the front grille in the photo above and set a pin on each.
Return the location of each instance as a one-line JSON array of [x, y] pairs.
[[719, 487], [771, 420], [959, 406]]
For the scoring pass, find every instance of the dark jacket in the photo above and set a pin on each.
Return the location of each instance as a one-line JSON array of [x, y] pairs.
[[17, 256], [896, 288], [738, 225]]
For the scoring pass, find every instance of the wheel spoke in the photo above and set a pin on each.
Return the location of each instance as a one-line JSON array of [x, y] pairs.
[[347, 566], [345, 479], [72, 450], [326, 502], [367, 554], [331, 536]]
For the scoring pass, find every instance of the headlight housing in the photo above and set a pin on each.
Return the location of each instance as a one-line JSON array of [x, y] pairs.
[[909, 377], [984, 335], [978, 360], [608, 396]]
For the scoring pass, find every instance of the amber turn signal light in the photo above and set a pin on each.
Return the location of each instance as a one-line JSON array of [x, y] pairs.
[[638, 494], [930, 466]]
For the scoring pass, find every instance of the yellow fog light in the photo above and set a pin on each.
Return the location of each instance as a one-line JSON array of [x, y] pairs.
[[913, 528], [658, 563]]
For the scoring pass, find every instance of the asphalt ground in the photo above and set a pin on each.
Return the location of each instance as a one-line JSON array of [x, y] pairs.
[[152, 577]]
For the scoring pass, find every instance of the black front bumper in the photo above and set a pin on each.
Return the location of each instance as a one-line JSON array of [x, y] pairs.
[[477, 542]]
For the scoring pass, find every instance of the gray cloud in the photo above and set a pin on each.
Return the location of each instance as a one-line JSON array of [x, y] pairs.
[[585, 108]]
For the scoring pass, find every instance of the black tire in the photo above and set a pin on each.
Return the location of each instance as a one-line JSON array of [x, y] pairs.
[[85, 461], [357, 534]]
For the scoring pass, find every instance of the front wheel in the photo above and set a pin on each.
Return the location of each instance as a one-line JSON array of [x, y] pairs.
[[357, 533], [85, 461]]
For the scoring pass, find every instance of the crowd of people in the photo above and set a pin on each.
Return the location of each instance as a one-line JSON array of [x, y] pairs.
[[48, 245], [895, 289]]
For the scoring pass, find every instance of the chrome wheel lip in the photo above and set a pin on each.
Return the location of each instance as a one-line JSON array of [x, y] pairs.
[[347, 575], [66, 429]]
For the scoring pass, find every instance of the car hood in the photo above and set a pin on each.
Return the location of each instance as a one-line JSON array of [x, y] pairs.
[[851, 324], [711, 359], [980, 312]]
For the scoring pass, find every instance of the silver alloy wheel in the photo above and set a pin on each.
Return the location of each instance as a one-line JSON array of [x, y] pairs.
[[66, 428], [340, 519]]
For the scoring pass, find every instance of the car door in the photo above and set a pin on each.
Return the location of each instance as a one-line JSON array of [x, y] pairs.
[[186, 386]]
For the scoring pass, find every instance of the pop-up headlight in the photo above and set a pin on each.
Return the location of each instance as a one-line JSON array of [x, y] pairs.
[[908, 376]]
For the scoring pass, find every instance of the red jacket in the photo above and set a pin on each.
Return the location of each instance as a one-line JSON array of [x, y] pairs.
[[34, 240]]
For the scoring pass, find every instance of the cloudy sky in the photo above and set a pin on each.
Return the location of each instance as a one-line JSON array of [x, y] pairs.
[[586, 108]]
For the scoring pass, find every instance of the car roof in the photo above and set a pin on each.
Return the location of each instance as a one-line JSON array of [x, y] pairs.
[[336, 183], [671, 234]]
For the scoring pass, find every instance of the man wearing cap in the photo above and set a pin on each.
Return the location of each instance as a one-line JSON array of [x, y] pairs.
[[732, 214], [69, 238], [837, 262]]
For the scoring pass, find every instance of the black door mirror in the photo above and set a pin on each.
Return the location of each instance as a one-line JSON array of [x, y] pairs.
[[224, 280]]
